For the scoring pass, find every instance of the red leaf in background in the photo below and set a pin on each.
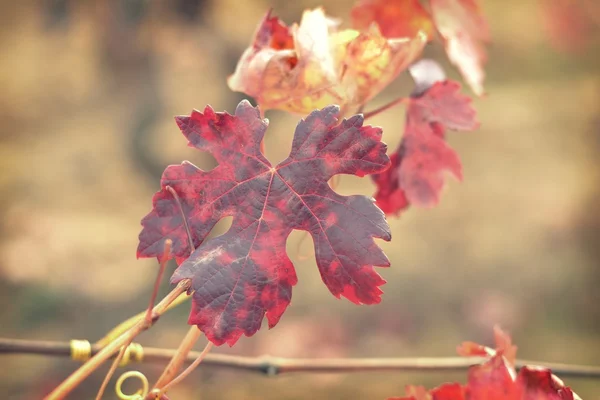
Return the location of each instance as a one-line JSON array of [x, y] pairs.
[[245, 274], [496, 379], [504, 347], [571, 25], [425, 157], [396, 18], [418, 165], [465, 32]]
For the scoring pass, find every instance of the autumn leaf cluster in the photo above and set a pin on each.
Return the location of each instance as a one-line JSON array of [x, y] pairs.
[[327, 73], [315, 63]]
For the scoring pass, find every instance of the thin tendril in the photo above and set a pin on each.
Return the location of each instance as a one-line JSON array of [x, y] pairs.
[[140, 394]]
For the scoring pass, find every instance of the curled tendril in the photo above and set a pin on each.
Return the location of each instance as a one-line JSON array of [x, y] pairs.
[[140, 394]]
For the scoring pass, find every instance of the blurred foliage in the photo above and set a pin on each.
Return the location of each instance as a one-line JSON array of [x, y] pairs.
[[88, 91]]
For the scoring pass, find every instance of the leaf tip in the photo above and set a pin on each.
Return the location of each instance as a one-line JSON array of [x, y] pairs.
[[246, 109], [182, 121], [332, 109]]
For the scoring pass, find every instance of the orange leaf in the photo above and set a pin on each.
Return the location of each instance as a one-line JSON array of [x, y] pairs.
[[288, 68], [396, 18], [370, 62], [311, 65], [464, 31]]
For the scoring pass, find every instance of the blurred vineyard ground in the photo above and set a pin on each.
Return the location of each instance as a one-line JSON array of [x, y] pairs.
[[87, 94]]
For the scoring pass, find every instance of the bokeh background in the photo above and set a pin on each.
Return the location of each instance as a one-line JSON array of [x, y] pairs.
[[88, 90]]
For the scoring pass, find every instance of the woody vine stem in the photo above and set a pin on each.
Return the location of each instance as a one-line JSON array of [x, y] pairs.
[[273, 366]]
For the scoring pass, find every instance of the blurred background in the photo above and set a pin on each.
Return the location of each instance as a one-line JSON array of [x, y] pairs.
[[88, 91]]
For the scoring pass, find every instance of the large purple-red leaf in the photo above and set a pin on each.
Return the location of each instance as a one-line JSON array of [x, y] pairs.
[[245, 274]]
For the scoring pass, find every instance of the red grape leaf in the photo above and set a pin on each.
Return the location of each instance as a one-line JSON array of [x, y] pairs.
[[492, 380], [538, 383], [465, 32], [496, 379], [395, 18], [313, 64], [245, 274], [418, 165]]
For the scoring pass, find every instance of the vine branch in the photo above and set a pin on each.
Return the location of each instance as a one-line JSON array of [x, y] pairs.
[[272, 366], [110, 349]]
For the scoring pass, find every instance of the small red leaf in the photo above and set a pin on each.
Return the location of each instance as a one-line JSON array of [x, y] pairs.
[[420, 162], [465, 31], [245, 274], [425, 158], [504, 347]]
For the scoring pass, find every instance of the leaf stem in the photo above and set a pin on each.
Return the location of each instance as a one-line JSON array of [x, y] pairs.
[[104, 354], [179, 358], [385, 107], [183, 375], [147, 319], [130, 322], [112, 370]]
